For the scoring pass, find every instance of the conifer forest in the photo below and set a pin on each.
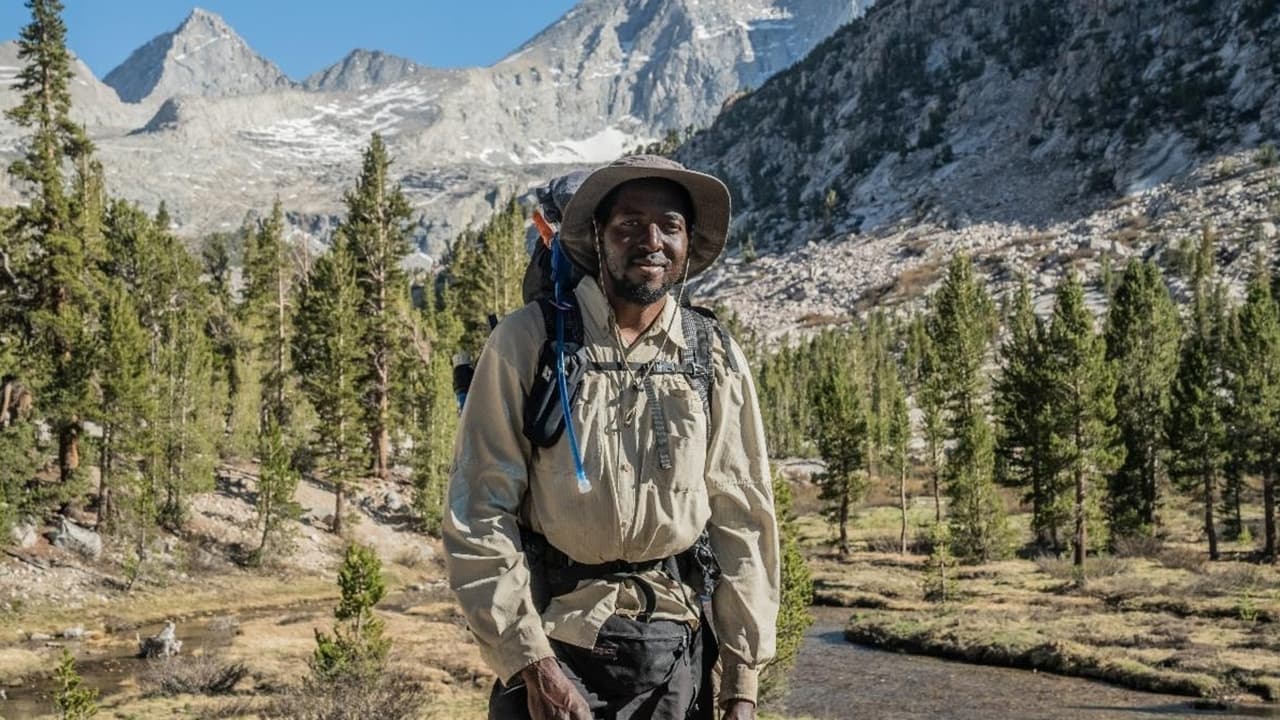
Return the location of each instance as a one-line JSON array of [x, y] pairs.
[[976, 431]]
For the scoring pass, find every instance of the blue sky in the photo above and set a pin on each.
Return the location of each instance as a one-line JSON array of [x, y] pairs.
[[303, 36]]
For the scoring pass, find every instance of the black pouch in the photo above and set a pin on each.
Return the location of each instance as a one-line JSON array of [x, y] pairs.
[[630, 657], [543, 416]]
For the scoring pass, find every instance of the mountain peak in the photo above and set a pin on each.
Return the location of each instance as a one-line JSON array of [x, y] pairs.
[[200, 18], [202, 56], [362, 69]]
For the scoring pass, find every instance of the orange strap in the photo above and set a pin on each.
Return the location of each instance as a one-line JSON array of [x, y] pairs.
[[544, 228]]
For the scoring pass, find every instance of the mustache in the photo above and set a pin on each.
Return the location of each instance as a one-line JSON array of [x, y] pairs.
[[653, 258]]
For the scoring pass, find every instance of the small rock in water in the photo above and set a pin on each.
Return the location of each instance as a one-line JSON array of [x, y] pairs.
[[161, 645]]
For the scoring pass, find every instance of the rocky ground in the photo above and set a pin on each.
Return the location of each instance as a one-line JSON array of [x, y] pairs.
[[54, 596], [823, 284]]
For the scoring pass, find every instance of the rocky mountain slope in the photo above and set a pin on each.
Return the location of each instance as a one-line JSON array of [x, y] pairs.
[[607, 76], [1036, 135], [203, 56]]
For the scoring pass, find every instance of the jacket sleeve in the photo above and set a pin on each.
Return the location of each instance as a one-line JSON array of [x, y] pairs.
[[744, 531], [486, 567]]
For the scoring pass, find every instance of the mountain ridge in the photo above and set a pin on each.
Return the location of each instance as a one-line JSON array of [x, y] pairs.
[[607, 76]]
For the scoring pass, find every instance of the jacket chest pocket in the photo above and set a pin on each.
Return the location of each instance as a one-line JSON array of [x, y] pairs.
[[676, 453]]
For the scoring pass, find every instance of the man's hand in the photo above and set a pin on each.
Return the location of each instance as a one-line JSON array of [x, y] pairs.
[[740, 710], [552, 696]]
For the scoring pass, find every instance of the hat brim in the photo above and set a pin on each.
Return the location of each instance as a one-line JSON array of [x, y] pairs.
[[711, 207]]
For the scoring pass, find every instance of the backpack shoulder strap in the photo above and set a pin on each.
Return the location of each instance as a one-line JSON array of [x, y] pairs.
[[574, 335], [699, 326]]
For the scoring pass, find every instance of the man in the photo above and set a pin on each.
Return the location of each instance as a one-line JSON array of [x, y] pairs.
[[583, 598]]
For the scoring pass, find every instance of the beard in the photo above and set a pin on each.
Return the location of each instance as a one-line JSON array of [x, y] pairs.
[[638, 293]]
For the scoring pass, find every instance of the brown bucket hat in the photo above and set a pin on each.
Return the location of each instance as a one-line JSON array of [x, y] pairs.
[[711, 207]]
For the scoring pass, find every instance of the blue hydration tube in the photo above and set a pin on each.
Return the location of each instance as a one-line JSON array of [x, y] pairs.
[[559, 269]]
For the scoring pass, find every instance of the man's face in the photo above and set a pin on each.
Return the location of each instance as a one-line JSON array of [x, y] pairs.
[[645, 241]]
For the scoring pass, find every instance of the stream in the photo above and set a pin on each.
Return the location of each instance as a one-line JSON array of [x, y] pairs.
[[833, 680], [837, 680]]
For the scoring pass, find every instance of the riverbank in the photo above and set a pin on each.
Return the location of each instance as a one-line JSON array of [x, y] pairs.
[[1163, 619]]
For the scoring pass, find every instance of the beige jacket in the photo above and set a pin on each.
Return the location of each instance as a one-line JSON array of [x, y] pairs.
[[635, 510]]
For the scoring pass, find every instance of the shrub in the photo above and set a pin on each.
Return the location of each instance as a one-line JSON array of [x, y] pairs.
[[1267, 156], [940, 584], [1177, 558], [72, 699], [1137, 546], [357, 648], [193, 674], [385, 697], [797, 594]]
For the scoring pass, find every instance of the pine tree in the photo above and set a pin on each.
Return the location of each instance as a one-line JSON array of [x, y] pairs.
[[277, 483], [1258, 393], [898, 446], [61, 294], [18, 464], [223, 329], [1196, 429], [188, 416], [1142, 347], [437, 421], [925, 381], [486, 270], [841, 434], [960, 326], [72, 700], [940, 582], [796, 595], [328, 355], [357, 650], [1082, 401], [127, 409], [376, 234], [978, 519], [1023, 457], [880, 366], [268, 286]]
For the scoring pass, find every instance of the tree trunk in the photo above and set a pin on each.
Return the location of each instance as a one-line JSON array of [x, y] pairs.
[[68, 450], [280, 342], [104, 482], [1269, 511], [1081, 531], [1238, 519], [1209, 528], [902, 490], [381, 447], [1081, 535], [337, 506], [844, 519], [1151, 486], [937, 481]]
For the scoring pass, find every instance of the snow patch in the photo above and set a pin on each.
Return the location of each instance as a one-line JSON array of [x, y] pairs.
[[604, 146]]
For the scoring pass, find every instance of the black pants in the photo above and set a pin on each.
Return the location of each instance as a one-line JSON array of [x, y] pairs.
[[623, 677]]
